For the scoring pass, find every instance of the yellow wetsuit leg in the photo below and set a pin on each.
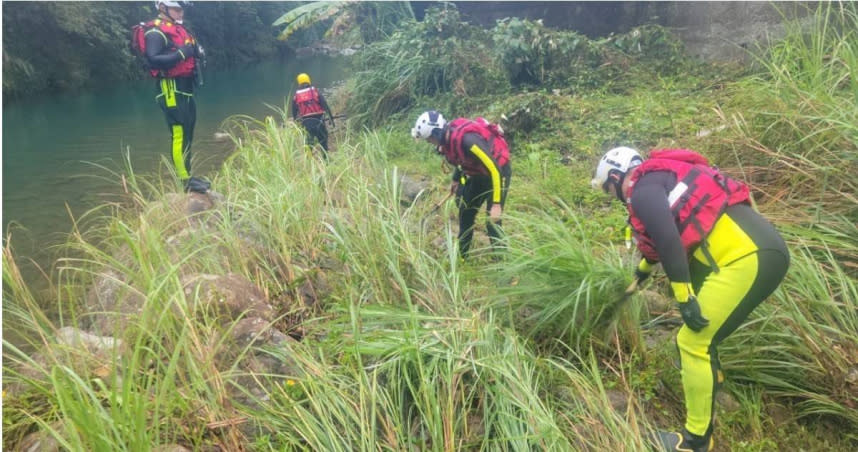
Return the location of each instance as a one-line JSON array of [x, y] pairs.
[[181, 115], [719, 296], [752, 261]]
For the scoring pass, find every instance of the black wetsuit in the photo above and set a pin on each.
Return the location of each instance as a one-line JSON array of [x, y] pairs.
[[477, 189], [315, 124], [175, 96]]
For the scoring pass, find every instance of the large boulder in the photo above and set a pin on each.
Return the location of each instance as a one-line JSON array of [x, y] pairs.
[[227, 296]]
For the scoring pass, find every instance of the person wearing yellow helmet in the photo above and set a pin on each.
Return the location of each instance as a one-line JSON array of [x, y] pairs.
[[309, 107]]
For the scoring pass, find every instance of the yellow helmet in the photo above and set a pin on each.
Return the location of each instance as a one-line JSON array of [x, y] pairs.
[[302, 79]]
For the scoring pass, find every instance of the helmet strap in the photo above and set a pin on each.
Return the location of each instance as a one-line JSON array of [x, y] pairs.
[[616, 178], [620, 192], [166, 12]]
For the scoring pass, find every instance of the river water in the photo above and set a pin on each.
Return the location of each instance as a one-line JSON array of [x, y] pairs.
[[59, 151]]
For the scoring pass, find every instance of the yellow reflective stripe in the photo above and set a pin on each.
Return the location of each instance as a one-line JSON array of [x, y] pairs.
[[493, 170], [178, 154], [681, 291], [168, 88], [155, 30]]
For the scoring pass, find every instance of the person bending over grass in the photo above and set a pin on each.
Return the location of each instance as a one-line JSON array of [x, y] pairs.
[[722, 259], [480, 154]]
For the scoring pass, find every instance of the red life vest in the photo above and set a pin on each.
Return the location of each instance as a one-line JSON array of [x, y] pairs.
[[456, 155], [308, 102], [177, 36], [700, 196]]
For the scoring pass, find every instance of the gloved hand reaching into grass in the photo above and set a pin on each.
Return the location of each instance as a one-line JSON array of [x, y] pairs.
[[689, 308]]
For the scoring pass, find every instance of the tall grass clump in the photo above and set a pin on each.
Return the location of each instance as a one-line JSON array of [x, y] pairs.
[[394, 351], [799, 128], [164, 363], [555, 281], [404, 380], [402, 355], [801, 343], [126, 383], [797, 141]]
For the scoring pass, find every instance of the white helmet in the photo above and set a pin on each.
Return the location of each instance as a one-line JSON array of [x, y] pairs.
[[614, 166], [171, 4], [427, 123]]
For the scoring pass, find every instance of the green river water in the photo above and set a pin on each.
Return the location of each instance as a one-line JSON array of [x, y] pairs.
[[53, 146]]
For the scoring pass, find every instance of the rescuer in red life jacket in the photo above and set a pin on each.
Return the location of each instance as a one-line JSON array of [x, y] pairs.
[[480, 154], [722, 259], [309, 107], [173, 55]]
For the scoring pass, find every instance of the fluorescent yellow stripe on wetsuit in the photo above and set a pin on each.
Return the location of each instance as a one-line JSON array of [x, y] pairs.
[[178, 151], [493, 170], [155, 30], [168, 90]]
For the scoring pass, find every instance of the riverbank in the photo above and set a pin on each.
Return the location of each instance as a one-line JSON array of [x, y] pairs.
[[321, 305]]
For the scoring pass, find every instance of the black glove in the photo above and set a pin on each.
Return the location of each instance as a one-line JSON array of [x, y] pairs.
[[188, 51], [691, 315]]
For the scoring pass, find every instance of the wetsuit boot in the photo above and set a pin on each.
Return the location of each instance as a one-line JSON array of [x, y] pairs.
[[686, 442], [197, 185]]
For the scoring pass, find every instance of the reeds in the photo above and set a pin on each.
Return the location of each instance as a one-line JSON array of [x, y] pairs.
[[403, 346]]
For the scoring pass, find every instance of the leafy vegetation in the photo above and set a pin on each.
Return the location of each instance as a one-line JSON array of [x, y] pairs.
[[61, 46], [405, 347], [371, 20], [441, 54]]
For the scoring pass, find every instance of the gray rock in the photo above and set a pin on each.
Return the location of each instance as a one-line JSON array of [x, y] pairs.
[[40, 441], [727, 402], [618, 399], [104, 346], [228, 296], [197, 203], [252, 330], [413, 188], [111, 303]]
